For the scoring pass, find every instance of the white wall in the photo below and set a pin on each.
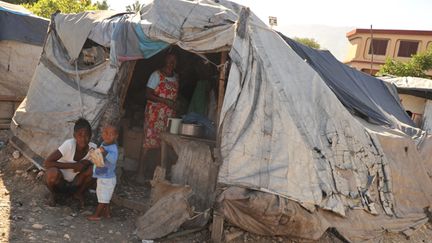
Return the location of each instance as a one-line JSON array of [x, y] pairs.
[[412, 103]]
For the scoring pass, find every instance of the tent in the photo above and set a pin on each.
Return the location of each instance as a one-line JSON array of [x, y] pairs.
[[22, 35], [416, 96], [287, 132]]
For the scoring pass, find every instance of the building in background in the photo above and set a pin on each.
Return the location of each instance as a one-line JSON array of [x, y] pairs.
[[415, 95], [396, 44]]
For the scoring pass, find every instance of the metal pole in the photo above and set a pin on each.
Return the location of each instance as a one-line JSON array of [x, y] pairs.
[[372, 49]]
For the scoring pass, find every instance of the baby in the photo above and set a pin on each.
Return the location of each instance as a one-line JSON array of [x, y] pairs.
[[105, 173]]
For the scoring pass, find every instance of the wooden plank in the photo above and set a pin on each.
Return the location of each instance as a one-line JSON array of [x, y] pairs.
[[207, 141], [217, 227], [221, 84], [167, 137], [125, 85], [27, 152], [164, 154], [5, 126], [11, 98]]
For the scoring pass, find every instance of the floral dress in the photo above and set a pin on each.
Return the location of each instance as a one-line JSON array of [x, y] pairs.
[[157, 114]]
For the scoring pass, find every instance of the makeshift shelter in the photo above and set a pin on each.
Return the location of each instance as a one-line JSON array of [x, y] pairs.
[[22, 35], [415, 95], [304, 162]]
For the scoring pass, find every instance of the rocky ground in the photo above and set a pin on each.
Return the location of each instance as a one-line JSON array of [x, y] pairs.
[[25, 217]]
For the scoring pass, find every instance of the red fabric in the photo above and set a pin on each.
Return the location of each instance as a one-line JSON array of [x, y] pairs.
[[157, 114]]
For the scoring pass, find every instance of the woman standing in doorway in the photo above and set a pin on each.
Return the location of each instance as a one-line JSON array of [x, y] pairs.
[[161, 93]]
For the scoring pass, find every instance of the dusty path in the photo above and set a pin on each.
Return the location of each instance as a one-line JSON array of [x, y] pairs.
[[25, 217]]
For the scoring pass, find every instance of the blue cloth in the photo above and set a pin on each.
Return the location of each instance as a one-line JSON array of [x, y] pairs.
[[129, 42], [110, 160], [147, 46], [195, 118], [23, 28]]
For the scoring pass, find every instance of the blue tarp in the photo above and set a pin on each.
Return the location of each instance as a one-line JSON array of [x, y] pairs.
[[129, 42], [362, 94], [148, 47], [23, 27]]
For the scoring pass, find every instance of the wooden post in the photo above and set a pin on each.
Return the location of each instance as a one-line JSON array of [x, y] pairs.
[[217, 227], [164, 154], [125, 85], [221, 95], [218, 219]]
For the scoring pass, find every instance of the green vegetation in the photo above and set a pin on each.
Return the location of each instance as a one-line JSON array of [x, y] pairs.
[[417, 66], [311, 42], [136, 7], [45, 8]]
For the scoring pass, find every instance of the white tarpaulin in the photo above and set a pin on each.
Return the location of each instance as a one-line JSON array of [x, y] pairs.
[[17, 63], [286, 132], [409, 82]]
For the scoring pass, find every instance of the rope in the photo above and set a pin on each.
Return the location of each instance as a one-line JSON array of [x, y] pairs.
[[79, 88], [218, 66]]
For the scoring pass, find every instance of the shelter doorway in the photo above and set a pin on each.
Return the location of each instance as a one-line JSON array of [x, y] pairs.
[[197, 73]]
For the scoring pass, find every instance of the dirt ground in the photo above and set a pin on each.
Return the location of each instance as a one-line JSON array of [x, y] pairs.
[[25, 217]]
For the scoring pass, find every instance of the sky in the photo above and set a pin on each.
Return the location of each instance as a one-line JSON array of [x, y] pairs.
[[328, 21], [384, 14]]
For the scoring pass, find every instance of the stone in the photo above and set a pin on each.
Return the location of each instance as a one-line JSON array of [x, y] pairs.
[[31, 220], [67, 237], [26, 230], [233, 235], [36, 209], [69, 217], [110, 231], [39, 175], [64, 223], [37, 226], [87, 213], [32, 238], [18, 172], [117, 233], [51, 232], [67, 210], [16, 154], [72, 227]]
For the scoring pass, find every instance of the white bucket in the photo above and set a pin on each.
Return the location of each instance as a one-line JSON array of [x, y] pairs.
[[174, 125]]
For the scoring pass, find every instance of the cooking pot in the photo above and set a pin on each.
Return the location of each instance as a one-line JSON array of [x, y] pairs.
[[194, 130]]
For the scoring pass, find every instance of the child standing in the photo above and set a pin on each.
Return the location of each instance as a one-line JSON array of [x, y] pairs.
[[106, 177]]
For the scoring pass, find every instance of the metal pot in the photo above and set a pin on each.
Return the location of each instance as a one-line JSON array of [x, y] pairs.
[[194, 130]]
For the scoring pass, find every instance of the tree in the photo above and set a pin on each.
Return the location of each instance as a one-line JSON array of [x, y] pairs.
[[136, 7], [417, 66], [102, 5], [45, 8], [311, 42]]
